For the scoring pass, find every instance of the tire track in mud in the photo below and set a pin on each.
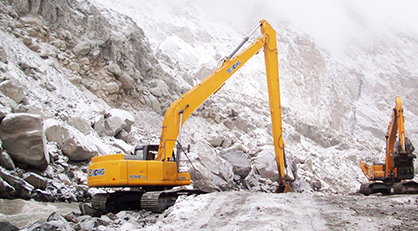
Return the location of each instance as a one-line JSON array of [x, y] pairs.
[[244, 210], [261, 211], [358, 212], [222, 211]]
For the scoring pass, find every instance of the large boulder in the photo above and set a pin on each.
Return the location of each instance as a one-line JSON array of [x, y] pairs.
[[240, 164], [11, 90], [82, 48], [114, 69], [210, 172], [159, 88], [113, 125], [57, 220], [125, 116], [80, 124], [114, 122], [266, 165], [73, 143], [127, 81], [24, 140]]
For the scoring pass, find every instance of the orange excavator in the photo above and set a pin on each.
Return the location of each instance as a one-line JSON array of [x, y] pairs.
[[393, 176], [153, 172]]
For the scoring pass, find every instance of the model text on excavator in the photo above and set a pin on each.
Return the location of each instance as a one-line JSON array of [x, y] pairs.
[[153, 171], [393, 176]]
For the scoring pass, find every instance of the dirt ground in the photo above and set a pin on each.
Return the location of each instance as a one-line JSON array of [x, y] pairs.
[[377, 212], [293, 211], [246, 210]]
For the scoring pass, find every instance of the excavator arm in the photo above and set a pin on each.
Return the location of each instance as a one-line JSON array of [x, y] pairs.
[[396, 126], [183, 107]]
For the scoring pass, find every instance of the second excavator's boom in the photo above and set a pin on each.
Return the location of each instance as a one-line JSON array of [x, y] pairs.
[[183, 107], [396, 126]]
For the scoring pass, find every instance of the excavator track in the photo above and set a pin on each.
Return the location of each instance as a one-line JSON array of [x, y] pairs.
[[157, 202], [407, 187], [377, 187], [154, 201], [98, 202], [115, 202]]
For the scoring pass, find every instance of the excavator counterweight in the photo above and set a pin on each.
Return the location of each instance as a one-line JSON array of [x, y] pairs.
[[153, 169]]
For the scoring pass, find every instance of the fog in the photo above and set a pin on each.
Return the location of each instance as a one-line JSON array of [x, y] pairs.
[[332, 24]]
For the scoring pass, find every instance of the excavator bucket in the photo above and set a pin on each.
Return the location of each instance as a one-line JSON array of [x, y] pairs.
[[365, 169], [284, 188]]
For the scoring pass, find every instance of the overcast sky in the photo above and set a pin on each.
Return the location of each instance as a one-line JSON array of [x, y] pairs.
[[331, 22]]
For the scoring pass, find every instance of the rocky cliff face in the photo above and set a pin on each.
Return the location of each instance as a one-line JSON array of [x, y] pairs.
[[63, 67]]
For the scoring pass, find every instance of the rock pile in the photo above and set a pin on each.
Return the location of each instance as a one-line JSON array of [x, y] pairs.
[[44, 150], [125, 220]]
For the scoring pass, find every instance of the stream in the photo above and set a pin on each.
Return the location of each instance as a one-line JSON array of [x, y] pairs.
[[21, 212]]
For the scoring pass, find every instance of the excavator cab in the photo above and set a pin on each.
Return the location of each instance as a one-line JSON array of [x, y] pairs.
[[403, 160], [146, 152]]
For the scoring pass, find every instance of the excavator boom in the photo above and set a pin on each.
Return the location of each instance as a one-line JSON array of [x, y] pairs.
[[183, 107]]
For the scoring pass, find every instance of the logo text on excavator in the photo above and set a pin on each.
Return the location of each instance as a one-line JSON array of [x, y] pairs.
[[96, 172], [229, 70]]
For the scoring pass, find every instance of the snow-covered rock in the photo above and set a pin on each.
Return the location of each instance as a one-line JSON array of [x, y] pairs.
[[21, 189], [114, 122], [11, 90], [73, 143], [80, 124], [37, 181], [24, 140], [240, 164], [265, 164], [5, 160], [211, 173]]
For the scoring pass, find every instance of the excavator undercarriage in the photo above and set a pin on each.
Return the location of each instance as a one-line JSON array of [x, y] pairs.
[[155, 201]]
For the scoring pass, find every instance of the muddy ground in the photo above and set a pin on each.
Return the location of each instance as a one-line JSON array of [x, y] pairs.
[[244, 211], [294, 211]]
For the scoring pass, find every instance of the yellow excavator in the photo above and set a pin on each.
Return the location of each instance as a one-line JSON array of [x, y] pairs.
[[393, 176], [153, 171]]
